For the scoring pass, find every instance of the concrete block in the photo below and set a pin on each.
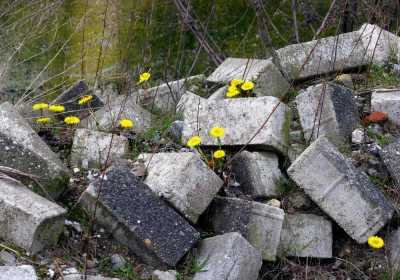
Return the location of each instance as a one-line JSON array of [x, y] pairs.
[[25, 272], [338, 117], [184, 181], [391, 158], [378, 43], [22, 149], [228, 256], [96, 146], [138, 218], [27, 219], [258, 173], [306, 235], [388, 102], [219, 94], [341, 190], [175, 129], [88, 277], [258, 223], [329, 54], [241, 118], [393, 246], [121, 108], [268, 81]]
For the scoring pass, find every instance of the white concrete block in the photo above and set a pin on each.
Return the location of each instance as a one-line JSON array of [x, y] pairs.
[[23, 272], [388, 102]]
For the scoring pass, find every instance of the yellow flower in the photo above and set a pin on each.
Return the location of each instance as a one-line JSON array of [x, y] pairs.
[[376, 242], [194, 141], [126, 123], [57, 108], [43, 120], [217, 131], [247, 86], [40, 106], [232, 91], [236, 82], [71, 120], [219, 154], [143, 77], [147, 241], [85, 99]]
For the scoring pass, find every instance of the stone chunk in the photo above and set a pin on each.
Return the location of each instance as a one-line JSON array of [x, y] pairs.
[[391, 157], [184, 181], [241, 118], [228, 256], [393, 245], [27, 219], [258, 223], [22, 149], [25, 272], [338, 117], [341, 190], [138, 218], [388, 102], [95, 147], [258, 173], [329, 54], [306, 235]]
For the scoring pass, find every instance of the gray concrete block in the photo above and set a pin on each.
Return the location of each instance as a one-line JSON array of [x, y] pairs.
[[306, 235], [241, 118], [391, 157], [219, 94], [138, 218], [184, 181], [393, 246], [258, 223], [345, 51], [25, 272], [267, 79], [96, 146], [341, 190], [175, 129], [258, 173], [228, 256], [388, 102], [338, 117], [27, 219], [22, 149]]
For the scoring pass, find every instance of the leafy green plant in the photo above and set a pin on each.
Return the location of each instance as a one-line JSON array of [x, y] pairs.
[[128, 271], [190, 268]]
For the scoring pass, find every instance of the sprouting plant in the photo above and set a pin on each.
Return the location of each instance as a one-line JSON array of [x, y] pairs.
[[57, 109], [71, 121], [125, 124], [143, 78], [40, 106], [218, 132], [239, 88], [376, 243]]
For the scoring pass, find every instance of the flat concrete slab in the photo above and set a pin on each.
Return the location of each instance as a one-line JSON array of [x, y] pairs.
[[341, 190], [27, 219], [25, 272], [228, 256], [391, 157], [338, 117], [184, 181], [388, 102], [138, 218], [306, 235], [22, 149]]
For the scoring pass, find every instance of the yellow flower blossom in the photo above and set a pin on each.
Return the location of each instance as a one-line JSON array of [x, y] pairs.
[[194, 141], [126, 123], [219, 154], [236, 82], [217, 131], [247, 86], [143, 77], [376, 242], [57, 108], [71, 120], [43, 120], [232, 91], [85, 99], [40, 106]]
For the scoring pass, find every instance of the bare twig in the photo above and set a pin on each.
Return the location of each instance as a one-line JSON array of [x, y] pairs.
[[325, 20]]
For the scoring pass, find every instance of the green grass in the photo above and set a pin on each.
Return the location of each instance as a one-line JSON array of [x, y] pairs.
[[380, 76]]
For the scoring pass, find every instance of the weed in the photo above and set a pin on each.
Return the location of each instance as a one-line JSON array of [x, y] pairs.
[[379, 76], [385, 141], [190, 268], [127, 271]]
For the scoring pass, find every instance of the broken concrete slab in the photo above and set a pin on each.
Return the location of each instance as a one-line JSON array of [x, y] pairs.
[[241, 118], [227, 256], [306, 235], [183, 180], [341, 190], [258, 223], [338, 117], [138, 218], [393, 245], [25, 272], [28, 220], [388, 102], [391, 158], [258, 173], [326, 55], [22, 149], [268, 81], [97, 147]]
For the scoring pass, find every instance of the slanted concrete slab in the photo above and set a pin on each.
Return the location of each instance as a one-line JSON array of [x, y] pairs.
[[22, 149], [25, 272], [388, 102], [138, 218], [258, 173], [184, 181], [268, 81], [121, 108], [96, 146], [338, 117], [341, 190], [391, 157], [241, 118], [306, 235], [345, 51], [27, 219], [258, 223], [228, 256]]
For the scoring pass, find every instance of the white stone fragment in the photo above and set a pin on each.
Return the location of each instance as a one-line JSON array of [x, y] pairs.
[[388, 102]]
